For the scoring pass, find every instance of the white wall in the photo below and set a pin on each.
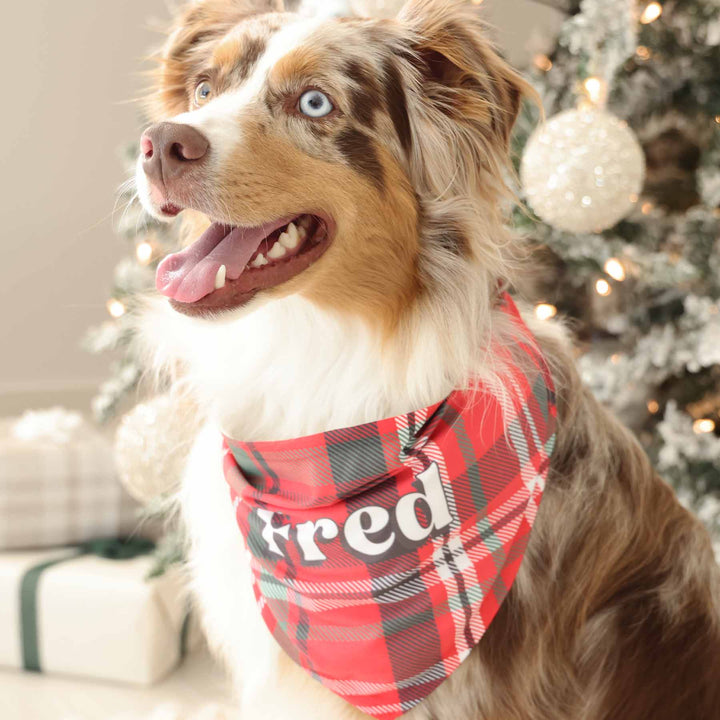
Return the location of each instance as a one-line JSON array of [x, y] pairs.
[[70, 69]]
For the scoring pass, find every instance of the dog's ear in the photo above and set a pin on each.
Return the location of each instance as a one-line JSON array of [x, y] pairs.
[[470, 97], [193, 32]]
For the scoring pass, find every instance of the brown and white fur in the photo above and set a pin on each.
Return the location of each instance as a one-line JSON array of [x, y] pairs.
[[615, 614]]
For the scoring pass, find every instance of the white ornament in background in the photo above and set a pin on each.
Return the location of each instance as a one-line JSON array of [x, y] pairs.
[[56, 425], [583, 170], [152, 444]]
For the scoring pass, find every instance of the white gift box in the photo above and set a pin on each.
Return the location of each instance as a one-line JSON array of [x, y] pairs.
[[58, 484], [92, 617]]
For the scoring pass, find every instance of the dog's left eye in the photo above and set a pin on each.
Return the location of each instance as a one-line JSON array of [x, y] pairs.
[[202, 93], [315, 104]]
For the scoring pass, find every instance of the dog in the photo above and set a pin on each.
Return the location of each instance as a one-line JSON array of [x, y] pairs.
[[347, 178]]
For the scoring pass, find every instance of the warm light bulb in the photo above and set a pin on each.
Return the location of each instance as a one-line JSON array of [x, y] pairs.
[[543, 62], [595, 88], [654, 407], [602, 287], [544, 311], [115, 308], [615, 269], [643, 52], [651, 13], [704, 426], [144, 252], [647, 208]]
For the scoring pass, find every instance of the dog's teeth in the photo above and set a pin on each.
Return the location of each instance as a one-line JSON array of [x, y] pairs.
[[277, 251], [291, 238], [259, 261], [221, 278], [302, 233]]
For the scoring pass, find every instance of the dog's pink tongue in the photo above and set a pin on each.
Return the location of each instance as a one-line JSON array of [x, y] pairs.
[[189, 276]]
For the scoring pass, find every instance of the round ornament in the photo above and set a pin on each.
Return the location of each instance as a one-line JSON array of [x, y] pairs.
[[583, 170], [152, 445]]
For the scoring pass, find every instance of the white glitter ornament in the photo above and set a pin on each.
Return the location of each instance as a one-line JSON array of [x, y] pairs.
[[152, 445], [583, 170]]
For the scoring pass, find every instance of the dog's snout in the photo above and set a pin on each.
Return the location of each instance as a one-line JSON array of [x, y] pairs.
[[170, 149]]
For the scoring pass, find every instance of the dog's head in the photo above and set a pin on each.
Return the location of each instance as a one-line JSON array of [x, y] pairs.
[[339, 159]]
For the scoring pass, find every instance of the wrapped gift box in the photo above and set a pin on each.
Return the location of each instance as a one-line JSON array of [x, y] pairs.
[[58, 484], [91, 616]]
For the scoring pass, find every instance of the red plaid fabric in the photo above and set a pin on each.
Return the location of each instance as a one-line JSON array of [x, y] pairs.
[[381, 553]]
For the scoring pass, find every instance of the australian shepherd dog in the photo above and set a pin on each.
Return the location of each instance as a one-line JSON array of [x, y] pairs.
[[367, 161]]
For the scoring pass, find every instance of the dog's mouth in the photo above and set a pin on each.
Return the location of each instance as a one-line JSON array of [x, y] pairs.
[[229, 265]]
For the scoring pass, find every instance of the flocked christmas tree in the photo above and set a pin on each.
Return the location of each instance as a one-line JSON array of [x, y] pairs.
[[643, 294]]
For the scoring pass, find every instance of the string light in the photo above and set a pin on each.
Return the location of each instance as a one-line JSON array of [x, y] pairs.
[[615, 269], [634, 198], [717, 119], [615, 359], [544, 311], [653, 407], [644, 52], [651, 13], [144, 252], [704, 426], [595, 89], [647, 208], [603, 288], [115, 308], [543, 62]]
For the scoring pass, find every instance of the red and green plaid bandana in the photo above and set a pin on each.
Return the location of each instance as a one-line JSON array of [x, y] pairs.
[[381, 553]]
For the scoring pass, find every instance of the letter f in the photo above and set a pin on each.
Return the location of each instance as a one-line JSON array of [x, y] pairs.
[[269, 533]]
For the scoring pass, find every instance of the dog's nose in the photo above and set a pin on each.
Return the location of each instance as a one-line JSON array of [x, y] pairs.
[[171, 149]]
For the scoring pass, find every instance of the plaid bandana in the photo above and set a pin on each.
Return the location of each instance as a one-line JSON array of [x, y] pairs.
[[381, 553]]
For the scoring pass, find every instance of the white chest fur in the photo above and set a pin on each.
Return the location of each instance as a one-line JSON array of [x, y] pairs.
[[285, 371]]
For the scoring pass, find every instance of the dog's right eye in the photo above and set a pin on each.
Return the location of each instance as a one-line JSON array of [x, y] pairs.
[[203, 92], [315, 104]]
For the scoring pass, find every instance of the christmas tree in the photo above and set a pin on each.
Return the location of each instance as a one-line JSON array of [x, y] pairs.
[[642, 294]]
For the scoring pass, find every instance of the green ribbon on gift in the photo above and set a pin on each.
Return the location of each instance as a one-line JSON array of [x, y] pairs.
[[111, 549]]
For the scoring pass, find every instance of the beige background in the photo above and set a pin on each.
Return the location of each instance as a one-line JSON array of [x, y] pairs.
[[71, 69]]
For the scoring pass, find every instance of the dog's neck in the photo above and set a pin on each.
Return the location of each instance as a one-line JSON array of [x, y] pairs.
[[290, 368]]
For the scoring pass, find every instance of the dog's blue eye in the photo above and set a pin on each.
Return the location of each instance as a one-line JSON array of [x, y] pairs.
[[203, 92], [315, 104]]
